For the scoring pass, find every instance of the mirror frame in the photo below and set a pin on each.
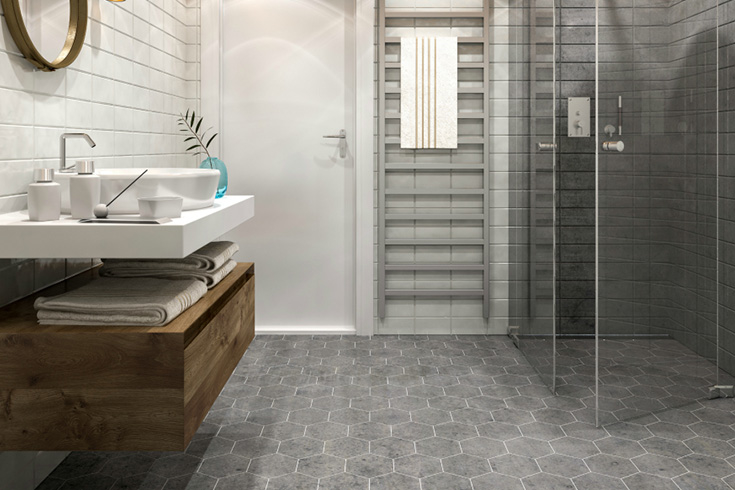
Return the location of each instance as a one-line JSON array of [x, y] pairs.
[[74, 38]]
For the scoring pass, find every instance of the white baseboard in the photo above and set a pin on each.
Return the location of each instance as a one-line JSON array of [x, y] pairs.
[[304, 330]]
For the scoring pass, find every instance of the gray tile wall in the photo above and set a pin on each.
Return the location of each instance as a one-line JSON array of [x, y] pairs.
[[657, 200], [576, 172]]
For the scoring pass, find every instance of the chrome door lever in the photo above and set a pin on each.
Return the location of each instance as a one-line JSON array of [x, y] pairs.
[[342, 136]]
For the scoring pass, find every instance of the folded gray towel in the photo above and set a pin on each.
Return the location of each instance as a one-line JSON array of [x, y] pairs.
[[211, 279], [209, 258], [108, 301]]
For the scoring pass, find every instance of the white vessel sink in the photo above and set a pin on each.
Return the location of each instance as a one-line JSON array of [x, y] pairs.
[[197, 187]]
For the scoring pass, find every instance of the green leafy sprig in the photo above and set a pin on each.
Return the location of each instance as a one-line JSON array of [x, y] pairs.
[[192, 125]]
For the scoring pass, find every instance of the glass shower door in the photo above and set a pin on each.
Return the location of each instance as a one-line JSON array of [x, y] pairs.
[[656, 207], [533, 204]]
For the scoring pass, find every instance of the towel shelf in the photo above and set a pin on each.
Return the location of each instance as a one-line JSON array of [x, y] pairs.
[[412, 14], [434, 166], [432, 192], [115, 388], [460, 40], [433, 267], [460, 90], [434, 241], [462, 140], [461, 115], [461, 64], [434, 292], [434, 217]]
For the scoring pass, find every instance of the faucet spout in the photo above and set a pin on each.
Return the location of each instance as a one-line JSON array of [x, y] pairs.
[[62, 144]]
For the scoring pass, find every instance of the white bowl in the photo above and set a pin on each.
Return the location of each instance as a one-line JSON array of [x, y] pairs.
[[160, 207]]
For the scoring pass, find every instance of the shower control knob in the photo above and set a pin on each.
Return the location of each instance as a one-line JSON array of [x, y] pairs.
[[618, 146]]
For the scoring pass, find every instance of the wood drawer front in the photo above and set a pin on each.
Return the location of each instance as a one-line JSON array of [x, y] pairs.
[[99, 360], [79, 420], [113, 388], [214, 354]]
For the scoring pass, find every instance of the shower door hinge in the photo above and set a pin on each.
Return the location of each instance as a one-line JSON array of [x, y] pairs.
[[513, 334], [721, 391]]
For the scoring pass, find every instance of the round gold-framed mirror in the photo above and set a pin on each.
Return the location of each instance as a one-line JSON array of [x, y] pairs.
[[74, 37]]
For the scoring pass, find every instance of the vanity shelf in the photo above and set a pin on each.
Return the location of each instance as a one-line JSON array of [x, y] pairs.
[[69, 239], [119, 388]]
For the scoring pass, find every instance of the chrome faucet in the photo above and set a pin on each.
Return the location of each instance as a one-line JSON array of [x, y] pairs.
[[62, 167]]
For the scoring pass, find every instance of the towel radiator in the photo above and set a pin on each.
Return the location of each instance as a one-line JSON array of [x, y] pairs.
[[388, 165]]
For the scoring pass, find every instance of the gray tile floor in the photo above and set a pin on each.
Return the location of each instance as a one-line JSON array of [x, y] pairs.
[[417, 412], [637, 376]]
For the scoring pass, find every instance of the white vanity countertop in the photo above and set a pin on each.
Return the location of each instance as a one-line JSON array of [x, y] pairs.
[[67, 238]]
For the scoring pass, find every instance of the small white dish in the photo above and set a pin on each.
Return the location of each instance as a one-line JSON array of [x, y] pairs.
[[160, 207]]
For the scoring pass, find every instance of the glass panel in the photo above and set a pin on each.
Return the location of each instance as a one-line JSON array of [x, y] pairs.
[[657, 206], [533, 203]]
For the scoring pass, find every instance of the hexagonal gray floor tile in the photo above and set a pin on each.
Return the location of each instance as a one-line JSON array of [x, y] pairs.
[[272, 465], [649, 482], [418, 465], [321, 465], [346, 447], [242, 481], [496, 480], [561, 465], [445, 481], [394, 481], [343, 482], [611, 465], [225, 465], [369, 465], [545, 481], [240, 431], [283, 431], [391, 447], [514, 465], [369, 431], [326, 431], [301, 447], [707, 465], [466, 465], [255, 448]]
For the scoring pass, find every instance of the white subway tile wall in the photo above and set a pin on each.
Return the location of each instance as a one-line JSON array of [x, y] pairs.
[[139, 68]]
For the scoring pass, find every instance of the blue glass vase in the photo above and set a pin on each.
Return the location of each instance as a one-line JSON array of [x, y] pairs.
[[217, 164]]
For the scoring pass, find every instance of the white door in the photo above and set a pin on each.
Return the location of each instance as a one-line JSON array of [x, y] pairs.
[[288, 80]]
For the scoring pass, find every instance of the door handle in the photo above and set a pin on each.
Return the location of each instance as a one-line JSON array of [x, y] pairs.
[[342, 136]]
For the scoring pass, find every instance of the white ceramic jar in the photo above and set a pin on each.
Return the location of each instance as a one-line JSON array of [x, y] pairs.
[[44, 196]]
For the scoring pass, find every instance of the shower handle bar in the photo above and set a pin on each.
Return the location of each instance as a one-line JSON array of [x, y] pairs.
[[546, 146]]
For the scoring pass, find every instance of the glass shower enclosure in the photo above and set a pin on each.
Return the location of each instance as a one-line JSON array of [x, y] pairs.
[[617, 256]]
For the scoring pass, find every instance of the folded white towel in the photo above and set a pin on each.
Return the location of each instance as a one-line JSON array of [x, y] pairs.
[[209, 258], [211, 279], [108, 301]]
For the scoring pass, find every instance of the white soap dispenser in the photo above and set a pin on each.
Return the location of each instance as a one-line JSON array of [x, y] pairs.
[[84, 190], [44, 196]]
